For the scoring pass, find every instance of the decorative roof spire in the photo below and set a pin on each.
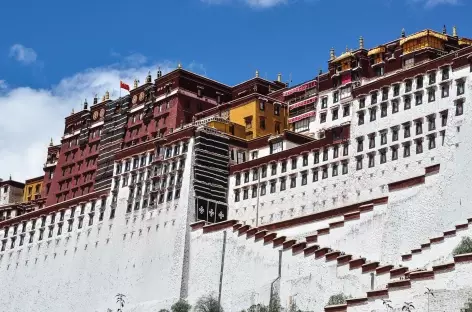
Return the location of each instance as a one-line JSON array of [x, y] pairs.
[[257, 73], [107, 95], [85, 104], [10, 177], [347, 49], [51, 143], [103, 98], [159, 73], [279, 77], [320, 72], [95, 99], [454, 31], [148, 78], [72, 113], [444, 30], [332, 56], [179, 66], [361, 42], [403, 33], [136, 82]]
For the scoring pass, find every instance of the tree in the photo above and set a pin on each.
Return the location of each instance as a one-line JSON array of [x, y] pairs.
[[181, 306], [208, 304], [338, 299], [387, 304], [120, 300], [464, 247], [408, 307]]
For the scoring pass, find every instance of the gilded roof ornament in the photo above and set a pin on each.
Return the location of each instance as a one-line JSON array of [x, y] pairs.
[[444, 30], [179, 66], [148, 77], [72, 113], [136, 82], [361, 42], [85, 104], [332, 56], [454, 31], [403, 33], [51, 143], [107, 95], [257, 74], [279, 77]]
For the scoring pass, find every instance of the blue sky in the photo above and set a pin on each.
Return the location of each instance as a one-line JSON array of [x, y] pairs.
[[53, 53]]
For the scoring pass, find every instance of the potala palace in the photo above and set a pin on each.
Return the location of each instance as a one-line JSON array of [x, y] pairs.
[[354, 184]]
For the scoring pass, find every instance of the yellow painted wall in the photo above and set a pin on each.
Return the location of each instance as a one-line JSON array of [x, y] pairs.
[[237, 115], [239, 130], [32, 189]]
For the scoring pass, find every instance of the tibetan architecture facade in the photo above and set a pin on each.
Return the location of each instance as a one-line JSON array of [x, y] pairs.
[[351, 184]]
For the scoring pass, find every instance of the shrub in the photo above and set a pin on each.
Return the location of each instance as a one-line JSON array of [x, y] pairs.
[[180, 306], [337, 299], [464, 247], [208, 304]]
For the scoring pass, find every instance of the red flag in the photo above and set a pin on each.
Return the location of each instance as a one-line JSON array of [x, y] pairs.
[[124, 85]]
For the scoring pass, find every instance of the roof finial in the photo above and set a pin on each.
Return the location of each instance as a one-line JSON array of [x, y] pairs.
[[361, 42], [148, 77], [51, 143], [136, 82], [159, 72], [95, 99], [347, 49], [257, 73], [72, 113], [320, 72], [279, 77], [107, 95], [331, 54], [403, 33], [85, 104], [10, 177], [454, 31], [179, 66], [444, 30]]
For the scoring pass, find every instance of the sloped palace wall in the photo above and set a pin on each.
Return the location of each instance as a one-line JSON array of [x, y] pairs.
[[154, 258]]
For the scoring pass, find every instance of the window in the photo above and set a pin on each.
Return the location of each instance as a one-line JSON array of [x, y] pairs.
[[277, 127], [360, 118], [305, 160], [394, 133], [335, 151], [371, 160], [384, 94], [372, 140], [459, 107], [373, 113], [272, 186], [396, 90], [418, 98], [262, 123], [315, 175], [383, 110], [431, 94], [334, 170], [444, 90], [406, 130], [334, 113], [335, 97], [431, 123], [362, 103], [406, 149], [263, 189], [276, 109], [394, 152], [359, 162], [408, 85], [282, 184], [254, 191], [373, 98], [344, 168], [301, 125], [322, 117], [276, 147], [255, 174], [460, 87], [444, 118], [284, 166], [264, 171], [325, 154], [419, 82], [346, 111], [293, 181], [383, 137], [236, 195], [294, 163], [238, 178], [246, 177], [379, 71], [304, 178], [418, 127], [407, 102], [360, 144], [431, 141], [395, 106], [245, 193], [383, 156], [445, 73], [324, 174], [419, 146], [317, 157], [273, 169], [432, 78], [345, 149], [261, 105], [324, 102]]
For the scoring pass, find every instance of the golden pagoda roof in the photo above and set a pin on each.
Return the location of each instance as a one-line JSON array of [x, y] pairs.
[[377, 50], [424, 33], [343, 56], [465, 41]]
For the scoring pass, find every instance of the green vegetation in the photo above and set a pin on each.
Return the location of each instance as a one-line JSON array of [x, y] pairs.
[[338, 299], [464, 247]]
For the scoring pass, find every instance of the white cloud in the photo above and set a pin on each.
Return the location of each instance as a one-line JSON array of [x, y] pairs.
[[30, 117], [262, 4], [433, 3], [23, 54]]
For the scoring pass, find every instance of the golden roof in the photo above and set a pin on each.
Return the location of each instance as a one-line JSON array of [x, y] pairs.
[[465, 41], [380, 49], [343, 56], [424, 33]]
